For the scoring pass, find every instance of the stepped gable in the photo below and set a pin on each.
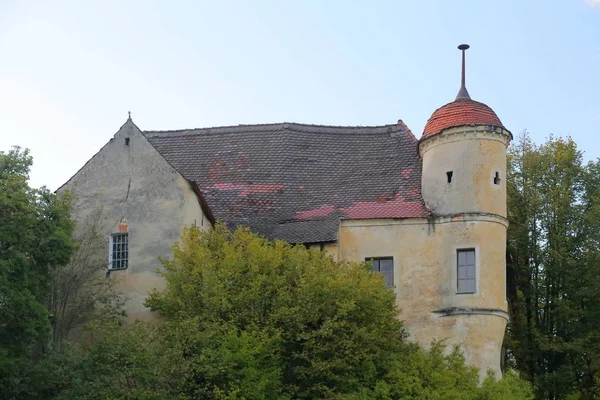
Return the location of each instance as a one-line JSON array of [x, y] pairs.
[[295, 182]]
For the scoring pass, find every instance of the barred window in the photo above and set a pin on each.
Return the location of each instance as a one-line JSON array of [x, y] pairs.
[[385, 266], [118, 254]]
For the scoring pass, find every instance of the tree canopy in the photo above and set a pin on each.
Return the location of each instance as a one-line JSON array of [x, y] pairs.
[[553, 267], [35, 237], [249, 318]]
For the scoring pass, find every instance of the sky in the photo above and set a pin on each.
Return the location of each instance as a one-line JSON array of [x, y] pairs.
[[71, 70]]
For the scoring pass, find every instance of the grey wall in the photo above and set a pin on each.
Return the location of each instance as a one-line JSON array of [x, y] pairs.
[[136, 183]]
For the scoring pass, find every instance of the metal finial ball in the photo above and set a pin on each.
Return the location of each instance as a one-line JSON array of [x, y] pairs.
[[463, 47]]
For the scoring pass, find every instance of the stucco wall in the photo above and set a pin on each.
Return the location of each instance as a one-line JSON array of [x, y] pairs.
[[425, 271], [331, 249], [474, 155], [134, 182]]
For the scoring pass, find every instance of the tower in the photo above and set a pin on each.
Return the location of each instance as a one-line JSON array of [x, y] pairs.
[[463, 148]]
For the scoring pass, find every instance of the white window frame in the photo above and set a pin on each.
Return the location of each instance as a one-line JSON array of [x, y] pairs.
[[111, 254]]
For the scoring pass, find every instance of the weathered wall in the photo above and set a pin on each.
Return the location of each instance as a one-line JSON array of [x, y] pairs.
[[330, 248], [474, 155], [425, 274], [136, 183]]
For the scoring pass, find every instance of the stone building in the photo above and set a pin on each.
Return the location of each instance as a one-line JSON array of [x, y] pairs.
[[429, 212]]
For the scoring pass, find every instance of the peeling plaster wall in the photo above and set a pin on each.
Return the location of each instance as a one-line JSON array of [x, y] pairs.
[[424, 253], [136, 183]]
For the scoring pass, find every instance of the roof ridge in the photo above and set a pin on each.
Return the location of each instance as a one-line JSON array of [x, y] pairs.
[[279, 125]]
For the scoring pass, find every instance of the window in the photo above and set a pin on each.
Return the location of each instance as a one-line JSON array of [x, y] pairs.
[[118, 252], [449, 176], [385, 266], [497, 178], [466, 271]]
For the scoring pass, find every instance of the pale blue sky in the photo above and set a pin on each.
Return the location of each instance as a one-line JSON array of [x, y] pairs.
[[70, 70]]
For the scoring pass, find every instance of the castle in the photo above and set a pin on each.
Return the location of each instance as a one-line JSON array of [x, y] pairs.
[[430, 212]]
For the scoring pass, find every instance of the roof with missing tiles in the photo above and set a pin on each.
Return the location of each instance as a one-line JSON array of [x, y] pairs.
[[295, 182], [462, 111]]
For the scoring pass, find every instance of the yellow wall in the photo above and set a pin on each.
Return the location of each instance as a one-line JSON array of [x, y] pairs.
[[424, 253], [474, 155]]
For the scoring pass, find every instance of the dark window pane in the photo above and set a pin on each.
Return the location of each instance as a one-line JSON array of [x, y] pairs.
[[386, 265], [375, 266], [388, 277], [120, 251]]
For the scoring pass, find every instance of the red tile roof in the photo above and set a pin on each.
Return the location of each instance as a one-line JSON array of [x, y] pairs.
[[295, 182], [460, 112]]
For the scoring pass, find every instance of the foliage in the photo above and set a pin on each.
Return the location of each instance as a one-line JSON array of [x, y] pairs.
[[113, 362], [249, 318], [507, 388], [35, 237], [80, 293], [331, 325], [553, 267]]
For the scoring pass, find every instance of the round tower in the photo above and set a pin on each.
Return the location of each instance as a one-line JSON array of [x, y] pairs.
[[463, 148]]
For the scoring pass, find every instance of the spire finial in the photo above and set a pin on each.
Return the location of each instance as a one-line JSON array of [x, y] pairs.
[[129, 113], [463, 93]]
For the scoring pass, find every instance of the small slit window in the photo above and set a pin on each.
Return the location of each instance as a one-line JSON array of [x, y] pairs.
[[118, 253], [126, 141], [465, 271], [497, 178], [385, 266], [449, 176]]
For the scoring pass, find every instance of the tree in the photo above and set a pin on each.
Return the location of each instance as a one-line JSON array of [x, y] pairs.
[[331, 326], [553, 267], [112, 361], [251, 319], [80, 293], [35, 236]]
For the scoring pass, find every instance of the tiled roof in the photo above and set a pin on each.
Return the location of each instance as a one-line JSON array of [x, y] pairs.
[[295, 182], [460, 112]]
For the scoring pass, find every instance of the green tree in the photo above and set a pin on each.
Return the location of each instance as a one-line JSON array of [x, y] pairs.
[[113, 361], [331, 325], [35, 236], [251, 319], [553, 267]]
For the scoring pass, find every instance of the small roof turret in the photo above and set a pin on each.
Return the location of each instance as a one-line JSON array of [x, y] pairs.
[[462, 111]]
